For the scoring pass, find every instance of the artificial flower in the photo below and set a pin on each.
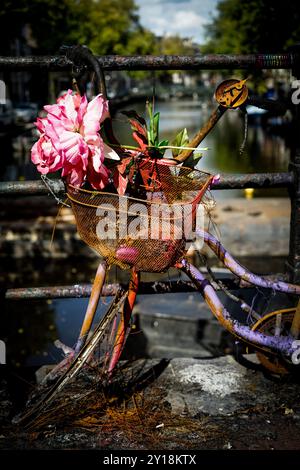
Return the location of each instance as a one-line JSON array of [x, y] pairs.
[[70, 140]]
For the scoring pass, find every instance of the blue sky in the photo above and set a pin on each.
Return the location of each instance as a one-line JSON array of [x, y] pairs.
[[184, 17]]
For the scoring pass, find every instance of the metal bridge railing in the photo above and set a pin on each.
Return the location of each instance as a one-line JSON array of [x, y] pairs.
[[227, 181], [289, 179], [165, 62]]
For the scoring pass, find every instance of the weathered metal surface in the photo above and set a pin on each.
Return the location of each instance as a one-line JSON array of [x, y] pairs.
[[84, 290], [293, 264], [57, 292], [30, 188], [254, 180], [227, 181], [165, 62], [240, 271], [278, 344], [202, 133], [92, 305]]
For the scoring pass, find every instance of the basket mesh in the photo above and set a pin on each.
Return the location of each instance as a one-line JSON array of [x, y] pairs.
[[148, 233]]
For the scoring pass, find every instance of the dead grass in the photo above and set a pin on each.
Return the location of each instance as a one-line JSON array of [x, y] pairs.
[[125, 411]]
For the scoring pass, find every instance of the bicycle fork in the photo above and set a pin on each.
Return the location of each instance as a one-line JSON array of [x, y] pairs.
[[124, 325]]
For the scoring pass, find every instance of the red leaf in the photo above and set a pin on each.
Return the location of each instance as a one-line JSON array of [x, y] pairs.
[[121, 168], [133, 114], [140, 140], [136, 126], [120, 182]]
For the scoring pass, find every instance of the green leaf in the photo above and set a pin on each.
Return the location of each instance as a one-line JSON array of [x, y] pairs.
[[149, 109], [150, 114], [154, 129], [163, 143], [180, 140]]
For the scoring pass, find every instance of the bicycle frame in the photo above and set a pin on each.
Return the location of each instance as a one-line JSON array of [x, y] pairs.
[[124, 325], [240, 271], [285, 345], [92, 306]]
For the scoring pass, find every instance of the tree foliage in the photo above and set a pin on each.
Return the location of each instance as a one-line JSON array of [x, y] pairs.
[[175, 45], [254, 26], [106, 26], [111, 27]]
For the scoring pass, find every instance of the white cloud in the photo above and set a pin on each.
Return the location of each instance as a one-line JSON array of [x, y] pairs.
[[184, 23], [188, 19], [184, 17]]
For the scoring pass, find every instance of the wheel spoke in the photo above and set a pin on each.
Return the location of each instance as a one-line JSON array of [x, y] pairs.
[[278, 324]]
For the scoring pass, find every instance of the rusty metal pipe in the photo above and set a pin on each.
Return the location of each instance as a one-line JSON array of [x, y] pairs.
[[202, 133], [92, 305], [80, 291], [227, 181], [57, 292], [30, 188], [163, 62], [254, 180]]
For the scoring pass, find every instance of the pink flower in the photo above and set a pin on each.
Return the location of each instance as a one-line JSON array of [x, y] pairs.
[[45, 156], [70, 140]]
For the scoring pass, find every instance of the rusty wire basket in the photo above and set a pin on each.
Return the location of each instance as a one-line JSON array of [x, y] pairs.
[[150, 233]]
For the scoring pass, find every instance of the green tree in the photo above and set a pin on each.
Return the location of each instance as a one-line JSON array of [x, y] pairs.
[[175, 45], [41, 24], [110, 27], [254, 26], [106, 26]]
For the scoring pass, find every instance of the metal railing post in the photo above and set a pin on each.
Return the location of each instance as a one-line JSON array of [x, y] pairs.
[[290, 179], [293, 262]]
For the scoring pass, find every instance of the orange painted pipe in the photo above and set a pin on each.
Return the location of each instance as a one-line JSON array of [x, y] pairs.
[[122, 332], [92, 305]]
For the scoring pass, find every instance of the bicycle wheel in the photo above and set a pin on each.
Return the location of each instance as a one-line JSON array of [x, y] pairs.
[[98, 349], [275, 323]]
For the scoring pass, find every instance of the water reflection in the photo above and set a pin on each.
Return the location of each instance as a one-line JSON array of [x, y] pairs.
[[28, 328], [264, 151], [16, 143], [31, 328]]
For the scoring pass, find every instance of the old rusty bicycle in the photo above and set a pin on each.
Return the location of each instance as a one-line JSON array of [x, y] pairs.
[[163, 195]]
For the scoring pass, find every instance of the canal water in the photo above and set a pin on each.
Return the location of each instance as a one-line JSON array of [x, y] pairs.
[[265, 149], [30, 328]]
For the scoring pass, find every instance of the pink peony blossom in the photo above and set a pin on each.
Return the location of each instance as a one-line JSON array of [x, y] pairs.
[[70, 140]]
